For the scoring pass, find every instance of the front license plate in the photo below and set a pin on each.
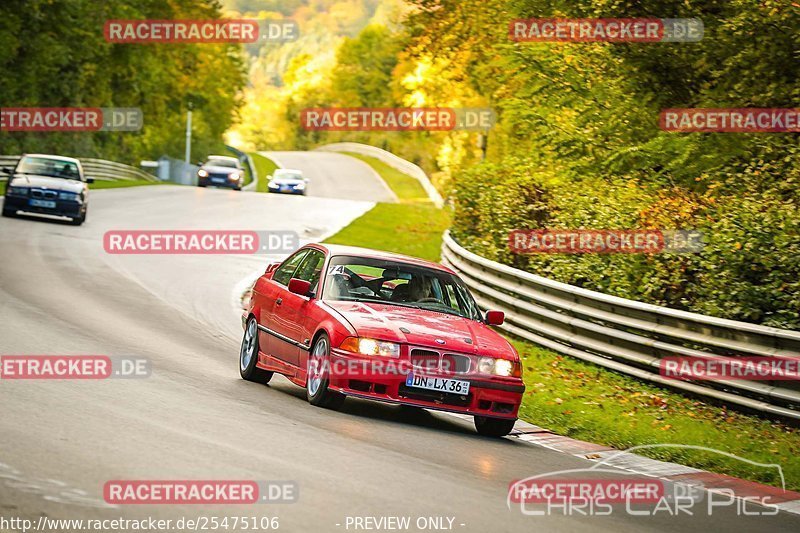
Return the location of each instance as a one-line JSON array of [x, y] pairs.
[[43, 203], [217, 180], [454, 386]]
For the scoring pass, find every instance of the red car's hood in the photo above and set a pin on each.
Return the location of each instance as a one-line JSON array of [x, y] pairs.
[[422, 328]]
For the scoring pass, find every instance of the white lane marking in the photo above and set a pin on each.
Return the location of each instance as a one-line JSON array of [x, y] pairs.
[[49, 489]]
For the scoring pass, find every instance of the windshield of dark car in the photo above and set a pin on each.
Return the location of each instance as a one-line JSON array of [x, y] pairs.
[[222, 163], [362, 279], [54, 168]]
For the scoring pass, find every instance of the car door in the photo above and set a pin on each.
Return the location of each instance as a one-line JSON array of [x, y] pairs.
[[288, 321], [267, 292]]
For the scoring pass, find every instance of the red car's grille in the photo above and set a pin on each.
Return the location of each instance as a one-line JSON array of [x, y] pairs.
[[425, 359], [430, 360], [457, 363]]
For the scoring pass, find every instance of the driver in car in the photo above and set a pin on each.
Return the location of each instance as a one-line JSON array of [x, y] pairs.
[[417, 289]]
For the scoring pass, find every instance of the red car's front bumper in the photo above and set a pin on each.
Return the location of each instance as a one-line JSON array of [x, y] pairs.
[[491, 396]]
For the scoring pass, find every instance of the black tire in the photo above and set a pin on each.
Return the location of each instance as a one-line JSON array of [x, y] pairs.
[[201, 184], [320, 395], [10, 213], [247, 361], [494, 427]]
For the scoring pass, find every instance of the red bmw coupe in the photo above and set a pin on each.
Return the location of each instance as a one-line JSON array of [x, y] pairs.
[[344, 321]]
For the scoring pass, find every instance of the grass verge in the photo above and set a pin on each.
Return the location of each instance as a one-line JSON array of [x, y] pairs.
[[587, 402], [264, 167], [400, 228], [119, 184], [406, 188]]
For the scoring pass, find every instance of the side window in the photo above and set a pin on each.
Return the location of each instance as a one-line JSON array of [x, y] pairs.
[[285, 272], [311, 268], [452, 299]]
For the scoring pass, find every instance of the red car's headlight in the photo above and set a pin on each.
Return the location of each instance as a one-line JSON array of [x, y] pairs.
[[371, 347], [499, 367]]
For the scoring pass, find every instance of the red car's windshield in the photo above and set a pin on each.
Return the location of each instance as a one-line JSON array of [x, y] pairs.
[[398, 283]]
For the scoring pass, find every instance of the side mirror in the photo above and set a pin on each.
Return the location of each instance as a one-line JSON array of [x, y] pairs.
[[89, 180], [299, 286], [272, 267], [495, 318], [6, 170]]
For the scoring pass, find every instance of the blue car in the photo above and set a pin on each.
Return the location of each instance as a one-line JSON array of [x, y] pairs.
[[285, 180]]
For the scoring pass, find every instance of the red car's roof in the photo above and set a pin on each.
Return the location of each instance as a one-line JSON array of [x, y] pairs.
[[337, 249]]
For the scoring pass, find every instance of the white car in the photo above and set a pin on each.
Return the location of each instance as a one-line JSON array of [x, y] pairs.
[[288, 181]]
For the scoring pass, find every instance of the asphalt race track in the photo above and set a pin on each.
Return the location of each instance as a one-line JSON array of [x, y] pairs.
[[194, 418], [336, 175]]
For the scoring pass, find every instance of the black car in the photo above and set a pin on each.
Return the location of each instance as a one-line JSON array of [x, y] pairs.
[[221, 171], [47, 185]]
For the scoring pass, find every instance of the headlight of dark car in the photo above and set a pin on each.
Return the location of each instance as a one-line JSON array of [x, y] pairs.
[[71, 196], [17, 191]]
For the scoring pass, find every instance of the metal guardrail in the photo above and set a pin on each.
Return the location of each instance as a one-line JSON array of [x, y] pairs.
[[393, 161], [99, 169], [251, 167], [628, 336]]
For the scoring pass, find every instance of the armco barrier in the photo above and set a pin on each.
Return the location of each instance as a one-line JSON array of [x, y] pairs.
[[99, 169], [628, 336], [393, 161]]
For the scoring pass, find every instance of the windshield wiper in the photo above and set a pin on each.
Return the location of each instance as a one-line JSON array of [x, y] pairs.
[[446, 311], [411, 305]]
